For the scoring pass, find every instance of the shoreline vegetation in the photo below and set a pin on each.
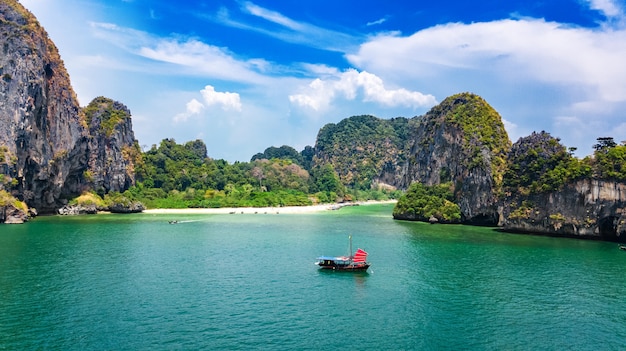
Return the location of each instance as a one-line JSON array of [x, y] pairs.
[[264, 210]]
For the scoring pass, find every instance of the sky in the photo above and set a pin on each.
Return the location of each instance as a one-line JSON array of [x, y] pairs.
[[246, 75]]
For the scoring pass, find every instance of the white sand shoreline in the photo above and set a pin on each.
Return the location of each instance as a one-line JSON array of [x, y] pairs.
[[260, 210]]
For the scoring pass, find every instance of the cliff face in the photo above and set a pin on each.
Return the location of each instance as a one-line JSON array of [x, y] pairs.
[[461, 140], [45, 142], [113, 150], [586, 208], [41, 129]]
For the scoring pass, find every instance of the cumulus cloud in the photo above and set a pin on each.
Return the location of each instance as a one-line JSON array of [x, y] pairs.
[[194, 107], [226, 100], [319, 94], [522, 50], [608, 7]]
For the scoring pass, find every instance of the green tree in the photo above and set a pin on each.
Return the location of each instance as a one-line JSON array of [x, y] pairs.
[[327, 180], [421, 202], [610, 162]]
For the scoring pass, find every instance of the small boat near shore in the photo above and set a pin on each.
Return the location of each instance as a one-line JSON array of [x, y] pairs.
[[622, 247], [353, 263]]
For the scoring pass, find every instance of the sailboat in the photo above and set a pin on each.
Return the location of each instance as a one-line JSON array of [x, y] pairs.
[[354, 263]]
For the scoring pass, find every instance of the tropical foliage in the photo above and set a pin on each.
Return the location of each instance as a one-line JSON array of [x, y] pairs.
[[360, 147], [540, 163], [422, 202], [111, 113], [89, 199], [7, 199], [609, 160], [181, 176], [284, 152]]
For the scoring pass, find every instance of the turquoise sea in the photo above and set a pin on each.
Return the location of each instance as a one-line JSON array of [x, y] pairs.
[[245, 282]]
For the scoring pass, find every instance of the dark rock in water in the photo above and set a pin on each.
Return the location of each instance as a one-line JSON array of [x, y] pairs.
[[10, 214], [77, 210], [134, 207]]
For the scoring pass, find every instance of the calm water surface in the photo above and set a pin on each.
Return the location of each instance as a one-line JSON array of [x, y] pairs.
[[241, 282]]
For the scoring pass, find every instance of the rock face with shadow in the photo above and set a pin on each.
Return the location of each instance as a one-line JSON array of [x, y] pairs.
[[463, 141], [49, 151], [587, 208]]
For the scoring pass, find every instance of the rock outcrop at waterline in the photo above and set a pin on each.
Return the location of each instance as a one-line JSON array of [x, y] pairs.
[[48, 151], [462, 140], [586, 208]]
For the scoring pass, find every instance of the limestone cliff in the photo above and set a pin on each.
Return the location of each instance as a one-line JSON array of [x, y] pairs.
[[547, 190], [113, 150], [47, 149], [41, 127], [464, 141], [586, 208]]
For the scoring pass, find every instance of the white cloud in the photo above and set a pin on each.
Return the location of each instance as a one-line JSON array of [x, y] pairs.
[[194, 107], [608, 7], [271, 16], [290, 30], [524, 50], [192, 56], [226, 100], [379, 21], [319, 94]]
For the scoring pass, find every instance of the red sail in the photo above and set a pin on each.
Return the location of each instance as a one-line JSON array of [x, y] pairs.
[[359, 256]]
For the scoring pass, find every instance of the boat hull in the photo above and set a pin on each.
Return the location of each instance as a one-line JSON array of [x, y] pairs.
[[345, 268]]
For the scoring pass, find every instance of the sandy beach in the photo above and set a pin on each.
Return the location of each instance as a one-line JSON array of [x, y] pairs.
[[261, 210]]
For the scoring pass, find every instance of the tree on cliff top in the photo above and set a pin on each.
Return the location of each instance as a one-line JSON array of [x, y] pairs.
[[540, 163], [609, 160], [284, 153]]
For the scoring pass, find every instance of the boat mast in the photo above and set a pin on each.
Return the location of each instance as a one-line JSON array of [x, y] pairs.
[[350, 253]]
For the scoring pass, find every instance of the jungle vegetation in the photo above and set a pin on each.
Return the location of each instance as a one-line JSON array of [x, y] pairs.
[[540, 163], [183, 176], [423, 203]]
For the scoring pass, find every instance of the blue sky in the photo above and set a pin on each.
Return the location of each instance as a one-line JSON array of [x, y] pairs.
[[246, 75]]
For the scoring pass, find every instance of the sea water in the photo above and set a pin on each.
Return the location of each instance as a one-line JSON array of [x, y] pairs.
[[247, 281]]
